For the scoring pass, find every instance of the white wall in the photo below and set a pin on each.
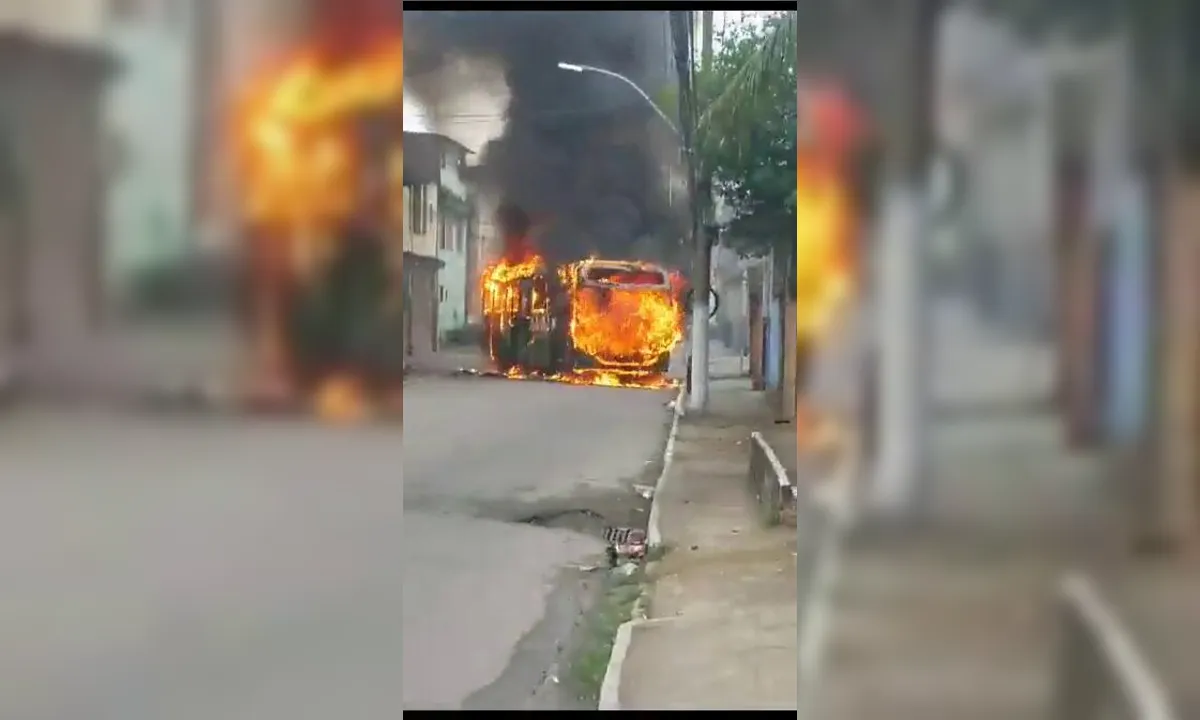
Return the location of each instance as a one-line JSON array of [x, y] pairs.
[[996, 111], [149, 113], [80, 21], [452, 278]]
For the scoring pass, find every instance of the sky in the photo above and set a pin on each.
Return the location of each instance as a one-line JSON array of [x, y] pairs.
[[415, 117]]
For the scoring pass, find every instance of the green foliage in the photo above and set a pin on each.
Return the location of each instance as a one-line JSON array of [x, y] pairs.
[[746, 141]]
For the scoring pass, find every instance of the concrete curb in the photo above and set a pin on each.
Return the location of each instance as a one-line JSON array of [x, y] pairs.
[[653, 534], [610, 688]]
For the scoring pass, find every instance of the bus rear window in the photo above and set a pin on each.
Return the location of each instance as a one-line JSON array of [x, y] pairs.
[[625, 276]]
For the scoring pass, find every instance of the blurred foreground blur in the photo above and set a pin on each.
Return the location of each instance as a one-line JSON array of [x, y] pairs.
[[195, 198], [1017, 537], [162, 560]]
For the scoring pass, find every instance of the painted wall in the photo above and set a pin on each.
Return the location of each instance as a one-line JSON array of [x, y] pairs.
[[1129, 304], [75, 21], [452, 278], [148, 119]]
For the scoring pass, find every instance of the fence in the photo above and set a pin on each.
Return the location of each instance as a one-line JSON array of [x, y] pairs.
[[768, 480], [1102, 674]]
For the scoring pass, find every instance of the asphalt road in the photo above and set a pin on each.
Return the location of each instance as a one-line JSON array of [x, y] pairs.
[[480, 453], [184, 568]]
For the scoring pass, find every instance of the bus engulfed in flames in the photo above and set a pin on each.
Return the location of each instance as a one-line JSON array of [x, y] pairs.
[[591, 322]]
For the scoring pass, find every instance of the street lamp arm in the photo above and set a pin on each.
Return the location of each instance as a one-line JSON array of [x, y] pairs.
[[636, 88]]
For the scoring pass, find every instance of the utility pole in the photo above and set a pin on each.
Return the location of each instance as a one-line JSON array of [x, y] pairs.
[[681, 35], [900, 470], [702, 262]]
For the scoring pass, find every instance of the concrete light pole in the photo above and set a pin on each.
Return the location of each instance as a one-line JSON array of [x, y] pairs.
[[698, 392], [900, 467]]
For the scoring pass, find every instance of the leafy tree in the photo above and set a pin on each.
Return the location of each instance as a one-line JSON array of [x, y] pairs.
[[748, 147]]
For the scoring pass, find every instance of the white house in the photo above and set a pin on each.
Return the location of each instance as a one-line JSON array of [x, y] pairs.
[[483, 97], [454, 237], [437, 227]]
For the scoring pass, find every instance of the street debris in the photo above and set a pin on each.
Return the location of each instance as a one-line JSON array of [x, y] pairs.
[[624, 543], [646, 491], [476, 372]]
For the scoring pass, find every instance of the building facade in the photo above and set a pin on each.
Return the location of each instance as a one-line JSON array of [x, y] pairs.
[[149, 138], [437, 227], [454, 239], [54, 71]]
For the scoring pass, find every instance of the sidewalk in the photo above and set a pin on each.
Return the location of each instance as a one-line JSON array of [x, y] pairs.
[[954, 619], [721, 629]]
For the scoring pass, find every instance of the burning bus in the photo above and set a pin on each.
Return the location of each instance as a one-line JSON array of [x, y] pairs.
[[591, 321]]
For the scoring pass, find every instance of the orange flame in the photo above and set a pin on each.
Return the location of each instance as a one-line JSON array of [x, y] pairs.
[[625, 325], [296, 145], [823, 234], [300, 161], [626, 321]]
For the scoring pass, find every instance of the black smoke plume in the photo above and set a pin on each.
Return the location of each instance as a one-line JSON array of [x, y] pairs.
[[580, 159]]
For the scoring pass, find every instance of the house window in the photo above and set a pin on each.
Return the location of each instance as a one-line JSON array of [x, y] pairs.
[[419, 212], [413, 215]]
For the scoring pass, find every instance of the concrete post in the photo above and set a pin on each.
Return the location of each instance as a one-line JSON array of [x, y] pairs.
[[900, 355], [1168, 510], [755, 311], [899, 469], [785, 409]]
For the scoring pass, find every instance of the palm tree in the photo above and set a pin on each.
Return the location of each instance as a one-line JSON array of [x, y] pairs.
[[745, 89]]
